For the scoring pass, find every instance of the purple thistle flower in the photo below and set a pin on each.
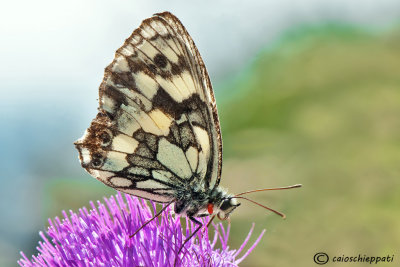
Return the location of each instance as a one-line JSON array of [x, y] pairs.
[[100, 237]]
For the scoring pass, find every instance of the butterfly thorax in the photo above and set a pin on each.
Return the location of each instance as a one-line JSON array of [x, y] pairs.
[[194, 201]]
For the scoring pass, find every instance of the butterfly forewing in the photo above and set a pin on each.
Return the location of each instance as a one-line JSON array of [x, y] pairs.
[[157, 128]]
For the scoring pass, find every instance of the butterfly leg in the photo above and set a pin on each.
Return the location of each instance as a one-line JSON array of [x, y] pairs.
[[155, 216], [195, 231], [212, 218], [190, 237]]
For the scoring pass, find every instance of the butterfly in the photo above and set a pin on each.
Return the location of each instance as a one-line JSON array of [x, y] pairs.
[[157, 133]]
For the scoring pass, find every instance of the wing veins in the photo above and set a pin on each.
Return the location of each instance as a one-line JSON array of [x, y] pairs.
[[176, 53], [192, 64], [177, 89]]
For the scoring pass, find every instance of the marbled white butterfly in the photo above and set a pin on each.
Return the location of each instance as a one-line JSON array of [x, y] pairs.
[[157, 133]]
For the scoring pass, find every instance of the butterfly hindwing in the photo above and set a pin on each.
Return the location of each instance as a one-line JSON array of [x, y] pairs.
[[157, 128]]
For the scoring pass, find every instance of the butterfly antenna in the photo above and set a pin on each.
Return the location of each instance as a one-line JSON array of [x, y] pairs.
[[265, 207], [269, 189]]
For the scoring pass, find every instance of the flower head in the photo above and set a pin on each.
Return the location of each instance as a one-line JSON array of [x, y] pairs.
[[100, 237]]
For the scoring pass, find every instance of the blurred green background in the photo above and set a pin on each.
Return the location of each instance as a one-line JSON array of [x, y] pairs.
[[323, 109], [313, 99]]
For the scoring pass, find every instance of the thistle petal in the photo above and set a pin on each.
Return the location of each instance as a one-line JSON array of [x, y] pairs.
[[100, 237]]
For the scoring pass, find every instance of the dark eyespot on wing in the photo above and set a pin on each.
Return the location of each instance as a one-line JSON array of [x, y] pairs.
[[160, 60]]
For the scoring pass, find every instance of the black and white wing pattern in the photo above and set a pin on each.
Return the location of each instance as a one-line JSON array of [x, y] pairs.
[[157, 128]]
